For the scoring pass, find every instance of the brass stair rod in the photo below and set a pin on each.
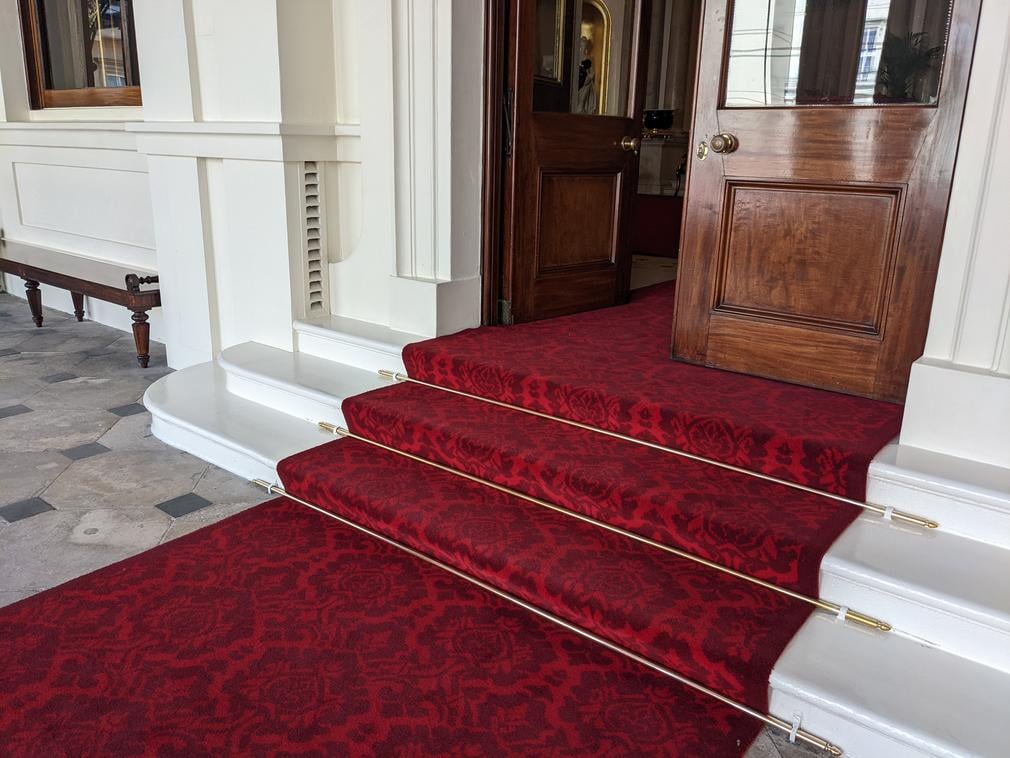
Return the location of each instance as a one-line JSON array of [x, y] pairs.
[[897, 515], [824, 605], [767, 718]]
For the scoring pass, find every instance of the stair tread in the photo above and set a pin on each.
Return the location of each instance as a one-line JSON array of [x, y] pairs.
[[766, 530], [716, 629], [612, 368], [298, 373], [197, 398], [363, 333], [933, 567], [897, 687]]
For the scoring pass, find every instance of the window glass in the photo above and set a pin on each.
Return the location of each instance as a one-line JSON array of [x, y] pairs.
[[836, 52]]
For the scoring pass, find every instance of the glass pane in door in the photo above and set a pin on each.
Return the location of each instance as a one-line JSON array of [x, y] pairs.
[[836, 52], [584, 56]]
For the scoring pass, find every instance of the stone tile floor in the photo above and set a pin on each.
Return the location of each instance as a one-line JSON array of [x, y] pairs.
[[83, 483]]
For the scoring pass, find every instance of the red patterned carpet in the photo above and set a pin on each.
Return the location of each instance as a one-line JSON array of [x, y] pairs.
[[611, 368], [281, 632]]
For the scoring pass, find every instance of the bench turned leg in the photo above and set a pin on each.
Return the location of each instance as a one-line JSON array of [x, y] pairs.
[[34, 295], [78, 299], [142, 336]]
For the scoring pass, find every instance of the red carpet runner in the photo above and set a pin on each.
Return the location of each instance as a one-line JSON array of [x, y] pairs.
[[611, 368], [281, 632]]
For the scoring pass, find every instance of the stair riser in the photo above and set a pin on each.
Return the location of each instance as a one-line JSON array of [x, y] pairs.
[[922, 620], [978, 516], [216, 451], [285, 399], [857, 739], [368, 357]]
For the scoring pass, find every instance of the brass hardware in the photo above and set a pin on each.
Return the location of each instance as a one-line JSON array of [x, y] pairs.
[[724, 143], [824, 605], [908, 518], [631, 144], [778, 723], [702, 150]]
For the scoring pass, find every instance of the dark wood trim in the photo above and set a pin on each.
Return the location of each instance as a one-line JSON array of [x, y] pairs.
[[91, 97], [40, 96], [31, 36], [495, 49]]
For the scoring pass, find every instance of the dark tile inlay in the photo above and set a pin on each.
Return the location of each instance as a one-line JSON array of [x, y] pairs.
[[128, 410], [14, 410], [25, 508], [60, 377], [180, 506], [85, 451], [8, 351]]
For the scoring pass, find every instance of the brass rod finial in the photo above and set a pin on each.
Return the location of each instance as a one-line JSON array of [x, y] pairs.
[[326, 426], [385, 373]]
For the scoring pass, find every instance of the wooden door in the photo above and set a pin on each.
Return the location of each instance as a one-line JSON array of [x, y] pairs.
[[812, 241], [569, 182]]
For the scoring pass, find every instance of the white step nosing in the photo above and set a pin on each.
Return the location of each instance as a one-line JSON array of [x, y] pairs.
[[937, 602], [170, 418], [355, 340], [281, 385]]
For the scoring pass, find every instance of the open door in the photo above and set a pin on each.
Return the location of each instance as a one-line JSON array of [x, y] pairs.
[[574, 77], [825, 136]]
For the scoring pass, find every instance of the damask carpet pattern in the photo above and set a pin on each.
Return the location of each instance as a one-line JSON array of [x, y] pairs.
[[611, 368], [716, 629], [280, 632], [765, 530]]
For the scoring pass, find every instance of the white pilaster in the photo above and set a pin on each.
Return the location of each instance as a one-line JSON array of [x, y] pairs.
[[958, 400], [952, 460]]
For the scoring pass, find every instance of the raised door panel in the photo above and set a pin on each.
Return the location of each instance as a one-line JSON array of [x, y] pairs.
[[590, 243], [808, 255]]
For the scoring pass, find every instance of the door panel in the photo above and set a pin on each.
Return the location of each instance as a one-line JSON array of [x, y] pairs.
[[846, 233], [563, 195], [575, 75], [810, 250]]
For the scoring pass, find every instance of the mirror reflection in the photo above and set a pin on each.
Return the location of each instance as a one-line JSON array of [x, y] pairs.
[[583, 56]]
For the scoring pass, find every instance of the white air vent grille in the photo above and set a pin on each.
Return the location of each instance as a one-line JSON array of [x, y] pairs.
[[314, 238]]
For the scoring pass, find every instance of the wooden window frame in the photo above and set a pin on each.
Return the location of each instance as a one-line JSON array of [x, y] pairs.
[[40, 96]]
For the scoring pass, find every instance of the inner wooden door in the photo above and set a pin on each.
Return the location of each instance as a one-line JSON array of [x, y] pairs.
[[574, 82], [826, 135]]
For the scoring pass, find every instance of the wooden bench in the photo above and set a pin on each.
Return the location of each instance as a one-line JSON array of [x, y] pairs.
[[84, 276]]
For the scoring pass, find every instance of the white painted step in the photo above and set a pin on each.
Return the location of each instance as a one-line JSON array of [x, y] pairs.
[[191, 409], [354, 343], [968, 498], [298, 384], [881, 695], [943, 589]]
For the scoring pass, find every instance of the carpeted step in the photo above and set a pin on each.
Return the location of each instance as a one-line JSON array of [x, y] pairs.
[[764, 530], [282, 632], [611, 368], [719, 630]]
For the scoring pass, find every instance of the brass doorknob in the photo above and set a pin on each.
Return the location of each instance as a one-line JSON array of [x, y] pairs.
[[723, 143], [631, 144]]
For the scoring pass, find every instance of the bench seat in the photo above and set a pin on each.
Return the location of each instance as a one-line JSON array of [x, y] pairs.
[[133, 288]]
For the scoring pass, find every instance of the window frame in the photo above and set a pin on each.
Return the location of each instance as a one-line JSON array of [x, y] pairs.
[[39, 96]]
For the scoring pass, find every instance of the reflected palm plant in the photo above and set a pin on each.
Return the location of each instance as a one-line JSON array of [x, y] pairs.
[[905, 62]]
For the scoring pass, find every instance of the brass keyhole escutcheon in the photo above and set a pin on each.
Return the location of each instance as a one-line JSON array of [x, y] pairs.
[[702, 150]]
